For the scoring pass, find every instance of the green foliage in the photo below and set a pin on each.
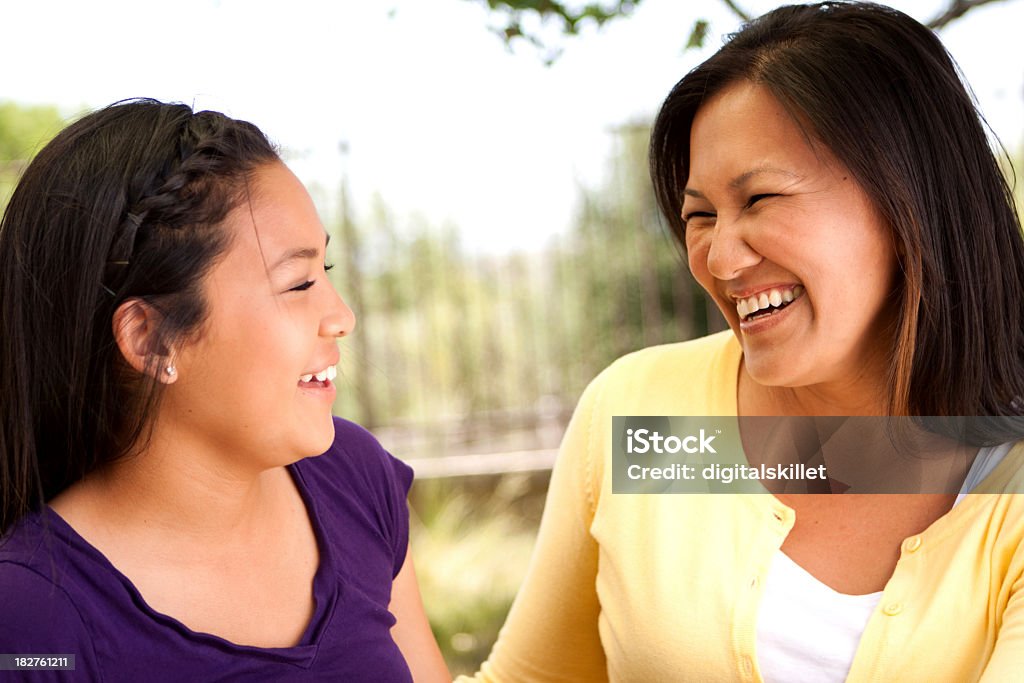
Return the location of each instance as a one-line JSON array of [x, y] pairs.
[[471, 549], [698, 34], [519, 14], [450, 343], [23, 131]]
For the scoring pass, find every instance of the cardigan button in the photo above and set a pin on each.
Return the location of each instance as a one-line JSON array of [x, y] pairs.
[[893, 608], [911, 544]]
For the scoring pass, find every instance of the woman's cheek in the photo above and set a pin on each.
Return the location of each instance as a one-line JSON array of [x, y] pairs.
[[697, 247]]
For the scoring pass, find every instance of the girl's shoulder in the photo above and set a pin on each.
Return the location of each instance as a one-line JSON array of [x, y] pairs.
[[355, 462]]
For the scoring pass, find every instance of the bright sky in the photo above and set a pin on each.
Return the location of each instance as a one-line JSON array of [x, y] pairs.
[[440, 119]]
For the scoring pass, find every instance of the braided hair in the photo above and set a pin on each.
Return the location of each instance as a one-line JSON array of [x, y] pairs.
[[125, 203]]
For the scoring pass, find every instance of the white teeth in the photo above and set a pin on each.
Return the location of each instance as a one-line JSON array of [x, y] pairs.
[[774, 297], [330, 372]]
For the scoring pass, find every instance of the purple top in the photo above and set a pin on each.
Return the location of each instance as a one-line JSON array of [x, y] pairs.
[[59, 595]]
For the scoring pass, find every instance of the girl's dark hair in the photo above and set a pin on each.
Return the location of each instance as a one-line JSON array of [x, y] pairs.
[[881, 92], [125, 203]]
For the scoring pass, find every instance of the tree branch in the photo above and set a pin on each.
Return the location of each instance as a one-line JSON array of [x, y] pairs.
[[737, 10], [955, 10]]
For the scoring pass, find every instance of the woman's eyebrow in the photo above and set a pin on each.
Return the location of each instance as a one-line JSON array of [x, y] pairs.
[[743, 178]]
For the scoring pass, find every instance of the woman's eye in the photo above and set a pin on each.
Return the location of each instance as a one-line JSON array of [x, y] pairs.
[[328, 266], [756, 198], [697, 214]]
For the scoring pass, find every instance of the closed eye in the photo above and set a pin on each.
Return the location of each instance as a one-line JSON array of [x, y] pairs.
[[756, 198], [687, 217], [309, 283]]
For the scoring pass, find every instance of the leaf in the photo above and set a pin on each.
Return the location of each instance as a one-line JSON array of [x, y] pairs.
[[698, 34]]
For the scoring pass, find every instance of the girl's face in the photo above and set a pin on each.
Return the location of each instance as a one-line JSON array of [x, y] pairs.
[[273, 319], [788, 244]]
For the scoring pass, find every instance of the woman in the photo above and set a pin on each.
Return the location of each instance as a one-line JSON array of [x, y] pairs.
[[167, 365], [836, 196]]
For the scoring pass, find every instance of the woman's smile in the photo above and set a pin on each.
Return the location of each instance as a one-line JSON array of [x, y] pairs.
[[767, 311]]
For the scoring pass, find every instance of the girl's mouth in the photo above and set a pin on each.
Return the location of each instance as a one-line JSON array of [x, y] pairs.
[[318, 380]]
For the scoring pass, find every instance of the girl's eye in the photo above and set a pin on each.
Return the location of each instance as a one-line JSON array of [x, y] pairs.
[[309, 283]]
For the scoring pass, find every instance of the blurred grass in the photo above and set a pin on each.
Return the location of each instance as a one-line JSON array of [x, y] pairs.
[[471, 542]]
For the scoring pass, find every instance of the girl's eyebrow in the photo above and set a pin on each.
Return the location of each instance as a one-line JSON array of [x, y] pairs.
[[300, 253]]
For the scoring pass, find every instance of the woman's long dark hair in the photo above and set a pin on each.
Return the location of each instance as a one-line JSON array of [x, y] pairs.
[[125, 203], [881, 92]]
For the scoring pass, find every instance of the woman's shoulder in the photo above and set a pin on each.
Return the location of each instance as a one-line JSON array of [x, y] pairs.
[[697, 376], [702, 350]]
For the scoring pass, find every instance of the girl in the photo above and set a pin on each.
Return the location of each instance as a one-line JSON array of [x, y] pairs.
[[166, 372]]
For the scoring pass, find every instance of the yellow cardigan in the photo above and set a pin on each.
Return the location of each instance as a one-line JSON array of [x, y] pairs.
[[653, 588]]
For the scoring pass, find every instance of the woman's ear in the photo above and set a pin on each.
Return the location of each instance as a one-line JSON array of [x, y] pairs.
[[135, 327]]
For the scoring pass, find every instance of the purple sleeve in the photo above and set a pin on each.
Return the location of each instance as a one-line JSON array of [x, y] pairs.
[[398, 485], [38, 618], [379, 481]]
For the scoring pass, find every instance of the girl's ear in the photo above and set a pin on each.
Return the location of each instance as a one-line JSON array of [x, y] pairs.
[[135, 328]]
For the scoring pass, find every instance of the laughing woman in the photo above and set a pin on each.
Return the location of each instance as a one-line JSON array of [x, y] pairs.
[[166, 373], [836, 195]]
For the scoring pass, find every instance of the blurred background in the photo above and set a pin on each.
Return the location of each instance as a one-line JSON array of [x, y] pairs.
[[481, 165]]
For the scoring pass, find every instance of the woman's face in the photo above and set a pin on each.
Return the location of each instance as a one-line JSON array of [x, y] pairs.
[[788, 244], [273, 320]]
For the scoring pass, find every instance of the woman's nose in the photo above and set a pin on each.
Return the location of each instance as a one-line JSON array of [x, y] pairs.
[[729, 253]]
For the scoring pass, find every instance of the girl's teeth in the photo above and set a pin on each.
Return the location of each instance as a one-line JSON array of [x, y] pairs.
[[787, 295], [762, 301], [775, 298], [330, 372]]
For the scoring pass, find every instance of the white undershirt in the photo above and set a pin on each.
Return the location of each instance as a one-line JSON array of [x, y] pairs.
[[806, 631]]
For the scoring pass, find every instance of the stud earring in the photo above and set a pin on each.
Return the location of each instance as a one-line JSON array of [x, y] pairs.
[[171, 370]]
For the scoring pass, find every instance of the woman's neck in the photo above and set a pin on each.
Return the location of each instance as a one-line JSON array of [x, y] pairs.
[[859, 396]]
